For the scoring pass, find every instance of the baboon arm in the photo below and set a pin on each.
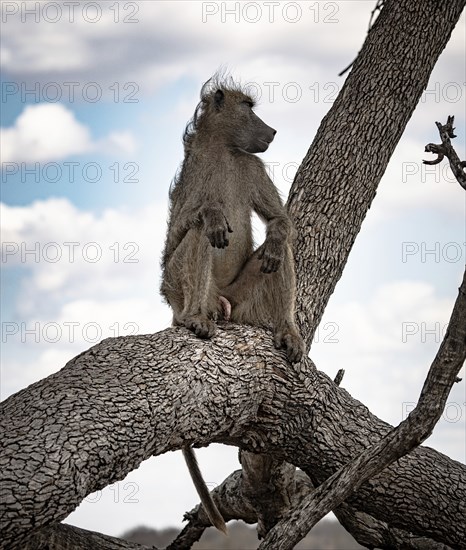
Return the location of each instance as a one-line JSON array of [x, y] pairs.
[[178, 226], [269, 207], [210, 216]]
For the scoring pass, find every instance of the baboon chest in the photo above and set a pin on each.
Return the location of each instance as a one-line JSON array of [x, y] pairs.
[[237, 203]]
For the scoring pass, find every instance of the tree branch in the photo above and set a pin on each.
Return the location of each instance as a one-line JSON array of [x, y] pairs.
[[445, 149], [129, 398], [367, 531], [64, 537], [401, 440]]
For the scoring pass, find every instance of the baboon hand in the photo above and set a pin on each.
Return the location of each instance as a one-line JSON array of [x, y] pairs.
[[271, 253], [216, 227]]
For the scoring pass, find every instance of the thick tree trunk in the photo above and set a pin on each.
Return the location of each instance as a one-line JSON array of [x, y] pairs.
[[338, 178], [129, 398]]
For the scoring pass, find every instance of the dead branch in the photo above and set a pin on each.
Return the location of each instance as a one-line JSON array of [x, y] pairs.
[[445, 149]]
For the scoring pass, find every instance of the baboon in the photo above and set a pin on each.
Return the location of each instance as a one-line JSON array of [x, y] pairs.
[[210, 268]]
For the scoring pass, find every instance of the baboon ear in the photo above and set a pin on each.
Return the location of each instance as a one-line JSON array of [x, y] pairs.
[[219, 99]]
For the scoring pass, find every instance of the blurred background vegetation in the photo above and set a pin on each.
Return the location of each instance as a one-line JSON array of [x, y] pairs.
[[326, 535]]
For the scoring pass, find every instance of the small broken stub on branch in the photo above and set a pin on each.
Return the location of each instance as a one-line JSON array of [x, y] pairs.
[[445, 149]]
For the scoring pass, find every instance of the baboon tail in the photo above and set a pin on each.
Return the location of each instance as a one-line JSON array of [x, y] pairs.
[[204, 494]]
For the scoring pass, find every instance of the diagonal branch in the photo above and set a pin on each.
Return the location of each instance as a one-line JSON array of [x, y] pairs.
[[398, 442], [366, 530]]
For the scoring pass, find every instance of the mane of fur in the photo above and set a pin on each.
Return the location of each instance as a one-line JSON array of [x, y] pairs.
[[219, 81]]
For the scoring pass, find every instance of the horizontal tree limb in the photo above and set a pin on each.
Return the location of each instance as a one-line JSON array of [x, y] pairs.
[[132, 397]]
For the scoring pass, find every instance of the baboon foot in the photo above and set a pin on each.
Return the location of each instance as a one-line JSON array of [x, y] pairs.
[[200, 325], [291, 342], [225, 308]]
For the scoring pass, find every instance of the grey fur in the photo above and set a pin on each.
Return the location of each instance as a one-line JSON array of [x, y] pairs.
[[209, 248]]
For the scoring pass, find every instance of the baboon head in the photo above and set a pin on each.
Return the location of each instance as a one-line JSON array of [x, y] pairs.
[[225, 115]]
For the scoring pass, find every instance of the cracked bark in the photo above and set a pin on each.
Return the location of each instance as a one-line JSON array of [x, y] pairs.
[[397, 443], [369, 531], [97, 419], [113, 406]]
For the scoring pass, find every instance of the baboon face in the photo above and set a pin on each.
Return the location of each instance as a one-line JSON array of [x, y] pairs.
[[243, 128]]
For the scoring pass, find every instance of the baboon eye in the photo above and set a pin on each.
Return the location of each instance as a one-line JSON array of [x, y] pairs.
[[249, 103]]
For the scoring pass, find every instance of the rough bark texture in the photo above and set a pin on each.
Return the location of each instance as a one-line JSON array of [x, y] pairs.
[[337, 180], [127, 399], [397, 443], [368, 531], [68, 537]]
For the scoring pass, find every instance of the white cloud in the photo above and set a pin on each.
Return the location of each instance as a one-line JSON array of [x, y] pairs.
[[50, 131], [165, 42], [188, 37], [386, 345], [78, 253], [44, 132], [89, 277], [381, 324]]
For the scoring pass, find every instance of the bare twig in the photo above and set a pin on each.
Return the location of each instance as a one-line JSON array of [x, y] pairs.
[[398, 442], [445, 149], [377, 9]]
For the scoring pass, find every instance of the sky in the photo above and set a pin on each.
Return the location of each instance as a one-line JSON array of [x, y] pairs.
[[95, 97]]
